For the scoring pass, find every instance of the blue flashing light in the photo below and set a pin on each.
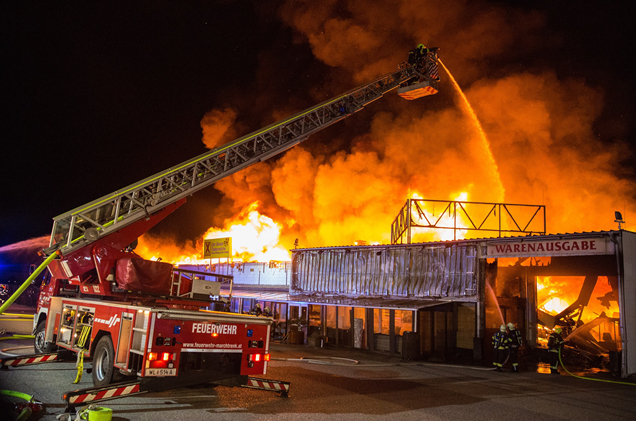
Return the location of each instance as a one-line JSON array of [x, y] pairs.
[[250, 332], [177, 329]]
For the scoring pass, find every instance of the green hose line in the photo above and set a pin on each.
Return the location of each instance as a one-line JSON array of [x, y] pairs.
[[25, 414], [26, 283], [590, 378], [22, 316], [4, 338], [19, 395]]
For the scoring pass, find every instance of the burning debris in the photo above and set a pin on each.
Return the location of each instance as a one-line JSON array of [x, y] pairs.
[[583, 305]]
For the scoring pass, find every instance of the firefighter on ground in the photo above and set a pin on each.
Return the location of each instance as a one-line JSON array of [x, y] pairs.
[[500, 342], [515, 343], [555, 344]]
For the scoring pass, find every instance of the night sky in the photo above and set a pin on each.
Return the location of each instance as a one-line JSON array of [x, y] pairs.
[[98, 96]]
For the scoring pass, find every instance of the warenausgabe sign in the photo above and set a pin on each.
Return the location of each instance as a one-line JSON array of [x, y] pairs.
[[562, 247]]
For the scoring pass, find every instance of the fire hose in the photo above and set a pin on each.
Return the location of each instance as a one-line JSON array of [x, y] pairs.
[[6, 350], [342, 362], [26, 283], [590, 378]]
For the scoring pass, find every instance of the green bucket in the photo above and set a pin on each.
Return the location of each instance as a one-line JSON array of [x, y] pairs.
[[97, 414]]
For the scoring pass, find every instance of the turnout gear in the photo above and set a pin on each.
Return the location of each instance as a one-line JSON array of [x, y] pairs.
[[555, 343], [500, 343], [514, 337]]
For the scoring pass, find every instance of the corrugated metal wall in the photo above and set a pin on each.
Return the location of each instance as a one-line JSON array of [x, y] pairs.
[[414, 271]]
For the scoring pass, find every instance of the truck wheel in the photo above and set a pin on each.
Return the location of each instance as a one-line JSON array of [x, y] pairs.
[[39, 344], [103, 361]]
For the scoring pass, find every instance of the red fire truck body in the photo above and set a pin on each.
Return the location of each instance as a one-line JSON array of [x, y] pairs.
[[140, 318], [150, 341]]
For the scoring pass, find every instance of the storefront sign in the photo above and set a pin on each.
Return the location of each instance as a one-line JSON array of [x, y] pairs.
[[217, 247], [563, 247]]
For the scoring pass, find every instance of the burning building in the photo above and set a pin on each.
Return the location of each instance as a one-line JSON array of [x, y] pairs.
[[441, 300]]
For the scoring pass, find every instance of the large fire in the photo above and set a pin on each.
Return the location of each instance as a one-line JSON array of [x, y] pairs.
[[518, 134], [596, 318], [255, 237], [556, 293], [446, 220]]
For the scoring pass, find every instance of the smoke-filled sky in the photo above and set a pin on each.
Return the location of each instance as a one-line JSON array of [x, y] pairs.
[[98, 96]]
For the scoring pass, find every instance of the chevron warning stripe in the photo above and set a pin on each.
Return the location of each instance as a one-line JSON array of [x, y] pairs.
[[28, 359], [266, 384], [91, 395]]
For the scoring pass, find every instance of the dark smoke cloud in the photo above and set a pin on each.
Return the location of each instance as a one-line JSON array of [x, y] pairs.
[[540, 126]]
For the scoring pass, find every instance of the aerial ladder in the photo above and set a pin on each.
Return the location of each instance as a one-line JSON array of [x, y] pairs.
[[73, 230], [88, 244]]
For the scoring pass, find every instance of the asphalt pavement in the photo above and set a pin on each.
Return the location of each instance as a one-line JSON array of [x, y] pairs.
[[352, 385]]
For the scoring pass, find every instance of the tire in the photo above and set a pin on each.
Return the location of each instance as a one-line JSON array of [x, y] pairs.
[[103, 361], [39, 343]]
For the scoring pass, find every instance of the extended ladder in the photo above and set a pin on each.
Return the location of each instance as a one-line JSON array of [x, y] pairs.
[[85, 224]]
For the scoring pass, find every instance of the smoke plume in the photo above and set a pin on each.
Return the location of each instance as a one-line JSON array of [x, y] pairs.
[[539, 126]]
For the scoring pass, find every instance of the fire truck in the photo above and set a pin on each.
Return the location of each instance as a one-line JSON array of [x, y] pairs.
[[145, 324]]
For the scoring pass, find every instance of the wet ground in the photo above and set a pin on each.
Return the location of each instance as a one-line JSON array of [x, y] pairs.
[[351, 384]]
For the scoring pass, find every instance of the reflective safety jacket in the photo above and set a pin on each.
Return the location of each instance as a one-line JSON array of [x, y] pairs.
[[554, 342], [515, 338], [500, 340]]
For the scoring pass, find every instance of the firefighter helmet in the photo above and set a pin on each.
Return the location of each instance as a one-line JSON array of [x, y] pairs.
[[421, 46], [511, 326], [558, 330], [502, 328]]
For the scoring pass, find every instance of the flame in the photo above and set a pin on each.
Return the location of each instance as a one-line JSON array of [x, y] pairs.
[[556, 293], [255, 237], [526, 136], [432, 214]]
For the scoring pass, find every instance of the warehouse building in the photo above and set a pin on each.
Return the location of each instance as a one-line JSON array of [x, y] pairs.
[[444, 300]]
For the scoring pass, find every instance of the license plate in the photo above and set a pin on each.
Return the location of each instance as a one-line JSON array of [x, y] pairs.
[[161, 372]]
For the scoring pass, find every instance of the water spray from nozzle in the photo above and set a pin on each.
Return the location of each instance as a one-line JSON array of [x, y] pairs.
[[468, 109]]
